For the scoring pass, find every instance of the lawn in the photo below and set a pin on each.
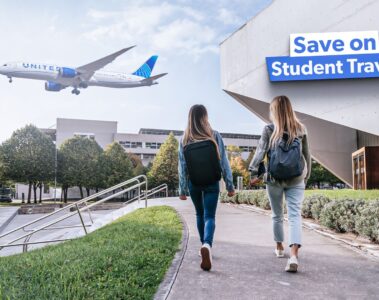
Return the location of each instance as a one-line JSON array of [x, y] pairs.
[[346, 193], [124, 260]]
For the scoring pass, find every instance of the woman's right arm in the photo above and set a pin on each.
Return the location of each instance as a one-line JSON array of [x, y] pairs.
[[260, 152], [307, 156], [182, 170]]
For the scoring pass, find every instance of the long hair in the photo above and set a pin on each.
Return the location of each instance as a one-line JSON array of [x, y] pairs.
[[198, 127], [284, 119]]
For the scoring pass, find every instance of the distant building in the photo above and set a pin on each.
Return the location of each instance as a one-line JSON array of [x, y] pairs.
[[145, 143]]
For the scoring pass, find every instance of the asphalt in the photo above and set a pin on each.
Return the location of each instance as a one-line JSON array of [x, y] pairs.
[[244, 266]]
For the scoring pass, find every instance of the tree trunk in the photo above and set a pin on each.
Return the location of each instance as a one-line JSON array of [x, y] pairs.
[[40, 192], [35, 192], [87, 189], [30, 191], [65, 194], [81, 192]]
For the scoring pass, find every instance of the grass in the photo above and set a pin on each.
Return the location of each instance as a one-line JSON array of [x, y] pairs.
[[124, 260], [346, 193]]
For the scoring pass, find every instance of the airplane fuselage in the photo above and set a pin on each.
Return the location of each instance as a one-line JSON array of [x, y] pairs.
[[48, 72]]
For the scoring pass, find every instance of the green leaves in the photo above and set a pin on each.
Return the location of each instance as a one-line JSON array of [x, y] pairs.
[[165, 165], [28, 156]]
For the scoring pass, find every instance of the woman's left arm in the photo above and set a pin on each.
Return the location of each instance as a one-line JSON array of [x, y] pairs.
[[225, 166]]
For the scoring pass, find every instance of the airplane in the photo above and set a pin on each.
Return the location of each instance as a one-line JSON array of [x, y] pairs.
[[58, 78]]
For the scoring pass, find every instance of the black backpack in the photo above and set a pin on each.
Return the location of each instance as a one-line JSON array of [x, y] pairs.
[[202, 161], [285, 160]]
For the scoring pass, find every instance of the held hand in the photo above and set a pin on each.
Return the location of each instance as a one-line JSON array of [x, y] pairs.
[[183, 197], [231, 193], [255, 181]]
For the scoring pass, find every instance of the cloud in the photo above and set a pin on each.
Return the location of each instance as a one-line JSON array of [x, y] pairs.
[[228, 17], [173, 29]]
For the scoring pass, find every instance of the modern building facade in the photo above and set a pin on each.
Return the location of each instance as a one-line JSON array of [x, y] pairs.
[[145, 143], [341, 115]]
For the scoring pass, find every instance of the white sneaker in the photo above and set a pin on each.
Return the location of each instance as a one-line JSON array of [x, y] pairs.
[[206, 257], [292, 264], [279, 253]]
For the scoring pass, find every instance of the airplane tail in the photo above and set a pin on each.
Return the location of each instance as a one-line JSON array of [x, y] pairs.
[[146, 69]]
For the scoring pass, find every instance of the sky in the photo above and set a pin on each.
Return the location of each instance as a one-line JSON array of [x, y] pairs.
[[184, 34]]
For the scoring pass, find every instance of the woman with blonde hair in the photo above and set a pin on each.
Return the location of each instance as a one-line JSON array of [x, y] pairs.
[[285, 143], [202, 162]]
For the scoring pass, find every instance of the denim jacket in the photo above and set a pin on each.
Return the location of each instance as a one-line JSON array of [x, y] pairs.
[[225, 167], [263, 147]]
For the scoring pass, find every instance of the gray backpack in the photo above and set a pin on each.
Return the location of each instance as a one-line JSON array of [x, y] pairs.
[[285, 161]]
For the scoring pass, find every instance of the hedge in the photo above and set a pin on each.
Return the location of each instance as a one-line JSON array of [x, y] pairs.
[[348, 214]]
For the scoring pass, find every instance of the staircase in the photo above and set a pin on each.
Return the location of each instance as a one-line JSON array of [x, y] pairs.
[[78, 218]]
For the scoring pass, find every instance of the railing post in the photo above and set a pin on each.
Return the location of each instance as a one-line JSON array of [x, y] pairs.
[[81, 219], [146, 193], [25, 246]]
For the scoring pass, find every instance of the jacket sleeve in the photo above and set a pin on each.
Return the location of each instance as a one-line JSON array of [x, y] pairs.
[[182, 171], [261, 151], [225, 166], [307, 156]]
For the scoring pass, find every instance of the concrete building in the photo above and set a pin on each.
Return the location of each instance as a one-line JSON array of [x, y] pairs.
[[341, 115], [145, 143]]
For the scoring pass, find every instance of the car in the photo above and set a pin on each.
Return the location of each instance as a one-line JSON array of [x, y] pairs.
[[5, 194]]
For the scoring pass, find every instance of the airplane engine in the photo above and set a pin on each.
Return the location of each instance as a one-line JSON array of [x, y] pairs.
[[67, 72], [52, 86]]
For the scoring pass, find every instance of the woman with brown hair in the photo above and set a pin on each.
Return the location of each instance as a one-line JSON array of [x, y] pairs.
[[202, 161], [289, 166]]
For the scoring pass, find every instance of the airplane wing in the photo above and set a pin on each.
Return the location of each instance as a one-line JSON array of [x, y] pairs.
[[152, 78], [87, 71]]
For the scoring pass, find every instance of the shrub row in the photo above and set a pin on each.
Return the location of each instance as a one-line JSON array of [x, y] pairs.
[[342, 215]]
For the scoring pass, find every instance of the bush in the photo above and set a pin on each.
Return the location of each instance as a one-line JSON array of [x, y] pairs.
[[367, 224], [318, 204], [307, 206], [341, 215]]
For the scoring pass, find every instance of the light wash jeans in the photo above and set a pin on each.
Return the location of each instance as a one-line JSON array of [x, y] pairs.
[[294, 197]]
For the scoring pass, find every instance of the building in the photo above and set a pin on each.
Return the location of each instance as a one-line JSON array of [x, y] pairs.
[[145, 143], [341, 115]]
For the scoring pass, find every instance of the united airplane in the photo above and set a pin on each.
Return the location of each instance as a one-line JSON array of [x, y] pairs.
[[58, 78]]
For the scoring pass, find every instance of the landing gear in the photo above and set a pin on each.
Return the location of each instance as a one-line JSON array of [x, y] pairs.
[[10, 79], [75, 91]]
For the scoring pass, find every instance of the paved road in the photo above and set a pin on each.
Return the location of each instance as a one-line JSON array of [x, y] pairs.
[[244, 266]]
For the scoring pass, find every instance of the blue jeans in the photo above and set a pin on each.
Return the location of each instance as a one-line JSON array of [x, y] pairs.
[[294, 198], [205, 201]]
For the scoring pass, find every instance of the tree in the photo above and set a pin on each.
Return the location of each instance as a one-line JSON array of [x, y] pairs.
[[165, 165], [78, 161], [28, 156], [319, 174], [119, 167], [138, 167], [238, 166]]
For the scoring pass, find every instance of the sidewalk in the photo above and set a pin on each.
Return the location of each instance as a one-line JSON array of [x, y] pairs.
[[244, 266]]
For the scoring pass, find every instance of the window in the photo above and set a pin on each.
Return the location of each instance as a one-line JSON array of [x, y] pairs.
[[246, 148], [128, 144], [153, 145]]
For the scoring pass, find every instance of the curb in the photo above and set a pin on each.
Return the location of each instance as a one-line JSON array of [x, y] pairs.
[[6, 223], [166, 285], [358, 248]]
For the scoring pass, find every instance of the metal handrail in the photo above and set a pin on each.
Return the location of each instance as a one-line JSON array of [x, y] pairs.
[[86, 207], [106, 191], [150, 193]]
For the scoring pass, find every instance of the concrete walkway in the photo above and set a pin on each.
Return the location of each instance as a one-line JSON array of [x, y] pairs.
[[244, 266]]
